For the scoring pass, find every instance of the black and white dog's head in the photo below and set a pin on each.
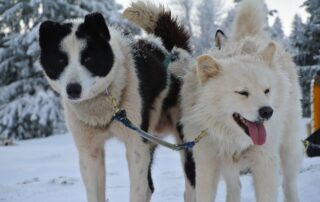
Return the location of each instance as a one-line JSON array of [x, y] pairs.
[[76, 56]]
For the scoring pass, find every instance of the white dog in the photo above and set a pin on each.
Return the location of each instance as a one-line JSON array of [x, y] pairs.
[[246, 97]]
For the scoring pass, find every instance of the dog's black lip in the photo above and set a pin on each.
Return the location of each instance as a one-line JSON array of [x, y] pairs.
[[242, 125]]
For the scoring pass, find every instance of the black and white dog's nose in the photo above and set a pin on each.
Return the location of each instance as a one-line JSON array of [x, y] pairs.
[[74, 90], [265, 112]]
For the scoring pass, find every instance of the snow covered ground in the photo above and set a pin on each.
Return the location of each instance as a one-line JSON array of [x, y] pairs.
[[47, 170]]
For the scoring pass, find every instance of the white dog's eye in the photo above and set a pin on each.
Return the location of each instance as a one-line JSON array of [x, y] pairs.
[[267, 91], [243, 92]]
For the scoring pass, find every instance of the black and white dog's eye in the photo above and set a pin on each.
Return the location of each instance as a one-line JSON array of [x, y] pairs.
[[267, 91], [243, 92], [87, 60], [62, 61]]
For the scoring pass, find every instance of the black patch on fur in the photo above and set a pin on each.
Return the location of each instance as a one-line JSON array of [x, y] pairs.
[[189, 164], [52, 59], [172, 98], [97, 56], [150, 181], [171, 33], [152, 76]]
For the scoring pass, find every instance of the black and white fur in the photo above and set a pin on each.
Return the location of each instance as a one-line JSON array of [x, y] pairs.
[[81, 60]]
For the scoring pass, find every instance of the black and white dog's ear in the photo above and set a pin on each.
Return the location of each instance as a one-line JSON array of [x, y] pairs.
[[220, 39], [51, 32], [96, 24], [47, 32]]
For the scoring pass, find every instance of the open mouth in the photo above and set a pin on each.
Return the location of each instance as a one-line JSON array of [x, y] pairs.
[[255, 130]]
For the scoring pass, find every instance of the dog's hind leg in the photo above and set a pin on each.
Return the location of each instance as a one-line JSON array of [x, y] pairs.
[[291, 154], [265, 172], [188, 166], [190, 175], [139, 156], [230, 172]]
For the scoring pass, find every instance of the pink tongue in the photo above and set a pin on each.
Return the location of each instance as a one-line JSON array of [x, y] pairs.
[[257, 132]]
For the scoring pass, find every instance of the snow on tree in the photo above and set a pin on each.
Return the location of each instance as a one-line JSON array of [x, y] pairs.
[[276, 30], [28, 107], [297, 38], [312, 31], [227, 22], [277, 34], [208, 13], [185, 6]]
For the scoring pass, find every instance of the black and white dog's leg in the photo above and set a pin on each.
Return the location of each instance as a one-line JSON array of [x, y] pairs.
[[190, 176], [207, 172], [188, 166], [265, 172], [92, 166], [139, 157], [231, 175]]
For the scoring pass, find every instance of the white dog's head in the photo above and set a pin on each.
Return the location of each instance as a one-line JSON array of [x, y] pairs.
[[239, 93], [77, 57]]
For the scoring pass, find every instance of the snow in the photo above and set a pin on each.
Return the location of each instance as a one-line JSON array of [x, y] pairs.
[[47, 170]]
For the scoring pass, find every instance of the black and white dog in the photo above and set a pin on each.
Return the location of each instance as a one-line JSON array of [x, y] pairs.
[[83, 58]]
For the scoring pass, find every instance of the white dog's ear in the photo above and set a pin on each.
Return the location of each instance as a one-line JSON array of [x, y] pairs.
[[220, 39], [268, 53], [207, 67]]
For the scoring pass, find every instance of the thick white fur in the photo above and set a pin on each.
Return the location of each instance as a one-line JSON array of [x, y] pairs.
[[249, 60]]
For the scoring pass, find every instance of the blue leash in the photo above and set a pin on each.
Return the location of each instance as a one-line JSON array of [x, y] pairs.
[[121, 116]]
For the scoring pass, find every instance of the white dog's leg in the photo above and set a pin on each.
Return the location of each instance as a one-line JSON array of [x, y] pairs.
[[291, 156], [265, 172], [139, 157], [230, 172], [207, 174]]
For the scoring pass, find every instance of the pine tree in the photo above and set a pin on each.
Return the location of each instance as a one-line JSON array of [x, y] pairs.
[[312, 40], [277, 34], [297, 38], [28, 107], [277, 31], [208, 12], [185, 6]]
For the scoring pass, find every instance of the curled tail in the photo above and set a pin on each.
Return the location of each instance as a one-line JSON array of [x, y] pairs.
[[250, 19], [156, 20]]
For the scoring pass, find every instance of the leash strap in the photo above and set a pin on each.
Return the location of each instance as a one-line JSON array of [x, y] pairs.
[[121, 116]]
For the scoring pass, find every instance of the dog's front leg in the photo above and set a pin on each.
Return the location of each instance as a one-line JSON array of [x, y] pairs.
[[93, 173], [231, 175], [92, 165], [265, 171], [139, 157], [207, 174]]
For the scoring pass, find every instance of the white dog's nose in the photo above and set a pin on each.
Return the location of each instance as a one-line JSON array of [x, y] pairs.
[[74, 90], [265, 112]]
